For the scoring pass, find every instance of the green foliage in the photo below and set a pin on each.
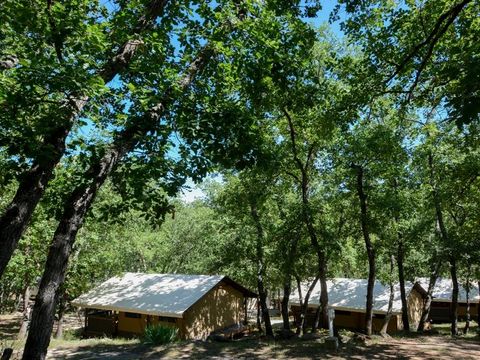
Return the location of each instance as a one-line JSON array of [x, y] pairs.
[[160, 335]]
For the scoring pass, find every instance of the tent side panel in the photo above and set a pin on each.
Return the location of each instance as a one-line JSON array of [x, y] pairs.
[[131, 323], [219, 308], [348, 319]]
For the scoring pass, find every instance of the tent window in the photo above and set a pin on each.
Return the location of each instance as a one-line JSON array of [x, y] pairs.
[[166, 319], [441, 304], [133, 315], [342, 312], [379, 316]]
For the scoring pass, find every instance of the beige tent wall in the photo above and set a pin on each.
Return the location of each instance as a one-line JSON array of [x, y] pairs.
[[440, 310], [354, 320], [219, 308], [415, 306], [131, 326]]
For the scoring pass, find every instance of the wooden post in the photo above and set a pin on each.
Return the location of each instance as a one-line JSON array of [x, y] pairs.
[[331, 316], [245, 310]]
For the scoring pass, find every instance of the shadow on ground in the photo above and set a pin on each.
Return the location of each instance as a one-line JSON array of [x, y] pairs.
[[426, 348]]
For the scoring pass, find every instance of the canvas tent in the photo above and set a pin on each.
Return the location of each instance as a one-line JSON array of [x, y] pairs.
[[440, 308], [348, 298], [195, 304]]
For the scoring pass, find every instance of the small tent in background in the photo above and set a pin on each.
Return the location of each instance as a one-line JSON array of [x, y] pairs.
[[440, 309], [348, 298], [196, 305]]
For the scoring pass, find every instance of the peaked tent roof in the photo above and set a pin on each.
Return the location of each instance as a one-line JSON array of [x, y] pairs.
[[153, 294], [444, 287], [351, 294]]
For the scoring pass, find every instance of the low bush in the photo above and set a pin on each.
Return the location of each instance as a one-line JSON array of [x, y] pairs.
[[159, 335]]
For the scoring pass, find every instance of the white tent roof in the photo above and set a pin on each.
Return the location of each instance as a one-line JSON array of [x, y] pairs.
[[351, 294], [152, 294], [443, 290]]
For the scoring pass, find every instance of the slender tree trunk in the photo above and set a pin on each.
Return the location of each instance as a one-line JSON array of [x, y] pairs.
[[61, 312], [303, 323], [478, 309], [401, 269], [307, 215], [454, 309], [259, 316], [287, 286], [31, 188], [446, 240], [388, 316], [287, 289], [428, 301], [369, 246], [262, 292], [76, 208], [467, 293], [25, 314], [401, 279]]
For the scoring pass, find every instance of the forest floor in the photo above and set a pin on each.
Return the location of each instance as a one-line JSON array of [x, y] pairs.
[[438, 345]]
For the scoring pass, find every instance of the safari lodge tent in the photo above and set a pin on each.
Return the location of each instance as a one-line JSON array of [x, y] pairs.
[[440, 308], [348, 298], [195, 304]]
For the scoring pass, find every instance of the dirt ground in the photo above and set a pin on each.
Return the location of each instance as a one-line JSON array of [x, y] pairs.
[[438, 346]]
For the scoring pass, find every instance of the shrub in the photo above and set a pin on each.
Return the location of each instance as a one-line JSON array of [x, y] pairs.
[[159, 335]]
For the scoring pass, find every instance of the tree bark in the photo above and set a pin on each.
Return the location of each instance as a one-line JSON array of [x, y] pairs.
[[428, 301], [446, 240], [467, 293], [287, 285], [287, 289], [308, 218], [61, 312], [454, 308], [401, 269], [388, 316], [77, 206], [301, 328], [401, 280], [25, 314], [262, 292], [31, 188], [369, 246], [478, 309]]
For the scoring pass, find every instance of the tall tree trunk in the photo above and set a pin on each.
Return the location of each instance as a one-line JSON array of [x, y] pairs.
[[369, 246], [307, 215], [388, 316], [454, 309], [428, 301], [31, 188], [25, 314], [262, 292], [401, 269], [287, 289], [446, 241], [467, 294], [76, 208], [60, 314], [287, 284], [301, 328], [259, 316], [401, 280], [478, 309]]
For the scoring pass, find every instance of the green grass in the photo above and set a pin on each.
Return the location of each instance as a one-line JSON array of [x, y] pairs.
[[160, 335]]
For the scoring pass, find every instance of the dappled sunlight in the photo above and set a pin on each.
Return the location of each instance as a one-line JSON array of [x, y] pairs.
[[444, 288], [156, 294], [352, 294]]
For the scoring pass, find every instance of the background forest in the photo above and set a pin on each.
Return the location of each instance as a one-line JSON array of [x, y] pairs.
[[347, 149]]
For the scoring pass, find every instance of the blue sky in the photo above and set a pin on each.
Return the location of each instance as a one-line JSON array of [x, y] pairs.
[[192, 191]]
